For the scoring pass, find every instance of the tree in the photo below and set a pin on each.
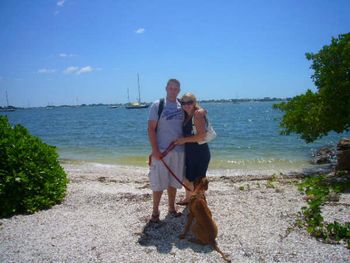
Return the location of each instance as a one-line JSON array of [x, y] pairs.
[[314, 114]]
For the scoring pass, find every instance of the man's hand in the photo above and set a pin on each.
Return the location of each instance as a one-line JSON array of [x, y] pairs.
[[157, 155]]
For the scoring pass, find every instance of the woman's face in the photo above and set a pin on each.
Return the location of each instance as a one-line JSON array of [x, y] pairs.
[[188, 105]]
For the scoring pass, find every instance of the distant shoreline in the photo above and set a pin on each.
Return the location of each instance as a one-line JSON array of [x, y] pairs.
[[122, 105]]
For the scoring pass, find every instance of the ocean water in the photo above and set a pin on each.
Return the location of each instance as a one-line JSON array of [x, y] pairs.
[[248, 136]]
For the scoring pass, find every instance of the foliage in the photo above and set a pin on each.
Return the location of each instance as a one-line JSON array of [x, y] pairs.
[[31, 177], [317, 189], [271, 182], [314, 114], [244, 187]]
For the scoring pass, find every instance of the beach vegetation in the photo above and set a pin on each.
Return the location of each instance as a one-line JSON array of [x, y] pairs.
[[31, 177], [318, 190], [245, 187], [314, 114], [271, 182]]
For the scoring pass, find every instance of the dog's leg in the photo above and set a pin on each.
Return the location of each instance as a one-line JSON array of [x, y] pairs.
[[188, 225]]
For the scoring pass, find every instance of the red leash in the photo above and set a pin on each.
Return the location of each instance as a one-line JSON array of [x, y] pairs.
[[170, 147]]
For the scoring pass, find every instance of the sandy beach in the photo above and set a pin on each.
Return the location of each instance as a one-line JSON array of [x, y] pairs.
[[104, 218]]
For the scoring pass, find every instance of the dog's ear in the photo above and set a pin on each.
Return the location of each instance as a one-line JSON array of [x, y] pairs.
[[205, 183]]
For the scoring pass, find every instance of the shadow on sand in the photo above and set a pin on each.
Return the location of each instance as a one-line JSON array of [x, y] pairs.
[[165, 234]]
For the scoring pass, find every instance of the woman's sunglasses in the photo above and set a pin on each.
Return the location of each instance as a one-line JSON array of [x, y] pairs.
[[190, 102]]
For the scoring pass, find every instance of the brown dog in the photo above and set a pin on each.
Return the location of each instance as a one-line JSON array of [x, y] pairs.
[[204, 228]]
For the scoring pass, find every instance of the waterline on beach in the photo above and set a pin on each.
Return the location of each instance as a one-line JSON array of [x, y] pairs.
[[222, 167]]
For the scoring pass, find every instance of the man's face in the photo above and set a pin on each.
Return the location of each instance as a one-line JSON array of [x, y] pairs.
[[172, 90]]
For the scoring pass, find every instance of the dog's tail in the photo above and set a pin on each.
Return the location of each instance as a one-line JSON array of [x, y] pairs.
[[215, 246]]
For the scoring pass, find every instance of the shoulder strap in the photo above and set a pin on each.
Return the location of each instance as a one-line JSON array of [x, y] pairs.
[[194, 126], [205, 118], [161, 107], [160, 110]]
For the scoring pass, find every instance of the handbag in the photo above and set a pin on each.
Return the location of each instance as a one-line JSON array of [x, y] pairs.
[[210, 132]]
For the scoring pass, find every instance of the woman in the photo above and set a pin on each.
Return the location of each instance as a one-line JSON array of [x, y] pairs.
[[197, 156]]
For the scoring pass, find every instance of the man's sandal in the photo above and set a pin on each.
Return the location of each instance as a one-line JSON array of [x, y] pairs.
[[154, 218]]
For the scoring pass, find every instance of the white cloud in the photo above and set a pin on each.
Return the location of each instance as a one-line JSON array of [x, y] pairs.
[[82, 70], [71, 70], [86, 69], [60, 3], [64, 55], [46, 71], [140, 30]]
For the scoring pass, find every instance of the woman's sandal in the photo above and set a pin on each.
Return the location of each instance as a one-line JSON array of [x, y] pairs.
[[175, 213], [154, 218]]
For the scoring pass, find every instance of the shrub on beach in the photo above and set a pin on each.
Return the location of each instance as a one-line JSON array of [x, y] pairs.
[[319, 190], [31, 177]]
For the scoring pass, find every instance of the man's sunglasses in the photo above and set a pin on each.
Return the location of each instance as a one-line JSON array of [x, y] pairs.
[[190, 102]]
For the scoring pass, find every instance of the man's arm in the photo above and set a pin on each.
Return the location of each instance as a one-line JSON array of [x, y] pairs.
[[152, 136]]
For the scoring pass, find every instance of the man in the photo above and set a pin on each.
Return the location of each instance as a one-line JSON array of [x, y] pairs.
[[161, 133]]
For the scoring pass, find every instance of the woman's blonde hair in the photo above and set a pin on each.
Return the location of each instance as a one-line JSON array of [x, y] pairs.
[[191, 96]]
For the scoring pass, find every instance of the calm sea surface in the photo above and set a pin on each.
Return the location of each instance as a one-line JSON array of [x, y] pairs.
[[248, 136]]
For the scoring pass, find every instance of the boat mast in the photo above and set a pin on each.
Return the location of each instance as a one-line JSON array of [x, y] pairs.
[[138, 83], [7, 99]]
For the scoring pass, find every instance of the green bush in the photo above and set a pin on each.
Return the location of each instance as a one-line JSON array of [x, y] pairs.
[[31, 177], [318, 189]]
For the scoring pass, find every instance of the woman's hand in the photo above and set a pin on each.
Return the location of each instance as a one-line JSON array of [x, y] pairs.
[[180, 141]]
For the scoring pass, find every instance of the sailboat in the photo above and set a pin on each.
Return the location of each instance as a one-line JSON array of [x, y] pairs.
[[7, 108], [138, 104]]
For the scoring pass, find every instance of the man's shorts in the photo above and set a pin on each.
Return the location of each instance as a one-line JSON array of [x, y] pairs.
[[159, 176]]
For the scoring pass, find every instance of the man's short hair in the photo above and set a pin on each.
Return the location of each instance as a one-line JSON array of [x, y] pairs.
[[175, 81]]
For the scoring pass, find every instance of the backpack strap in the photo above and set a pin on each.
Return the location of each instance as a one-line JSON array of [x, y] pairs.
[[161, 107], [160, 110]]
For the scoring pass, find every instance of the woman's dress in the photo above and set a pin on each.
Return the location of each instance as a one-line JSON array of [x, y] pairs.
[[197, 156]]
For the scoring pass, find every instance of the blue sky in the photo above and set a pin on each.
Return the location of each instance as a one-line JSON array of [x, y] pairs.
[[74, 51]]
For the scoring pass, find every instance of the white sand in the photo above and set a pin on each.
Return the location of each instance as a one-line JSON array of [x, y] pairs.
[[105, 213]]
